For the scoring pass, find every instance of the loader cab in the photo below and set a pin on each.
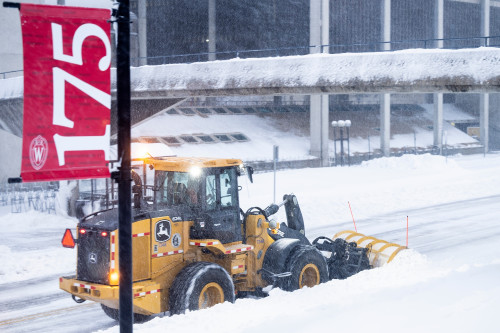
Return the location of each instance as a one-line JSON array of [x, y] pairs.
[[206, 191]]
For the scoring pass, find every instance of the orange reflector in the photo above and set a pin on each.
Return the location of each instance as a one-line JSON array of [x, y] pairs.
[[113, 278], [68, 240]]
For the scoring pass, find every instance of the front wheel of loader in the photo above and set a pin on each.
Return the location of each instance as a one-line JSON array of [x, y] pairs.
[[115, 314], [308, 268], [200, 285]]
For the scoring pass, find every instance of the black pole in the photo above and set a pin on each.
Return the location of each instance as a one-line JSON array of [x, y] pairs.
[[124, 186]]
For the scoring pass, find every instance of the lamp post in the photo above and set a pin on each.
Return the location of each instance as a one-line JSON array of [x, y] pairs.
[[341, 124]]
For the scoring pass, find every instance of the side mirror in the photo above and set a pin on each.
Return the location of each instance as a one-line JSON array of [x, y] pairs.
[[250, 173]]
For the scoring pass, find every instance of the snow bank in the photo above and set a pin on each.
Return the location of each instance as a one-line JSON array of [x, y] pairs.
[[409, 295], [426, 162], [25, 250]]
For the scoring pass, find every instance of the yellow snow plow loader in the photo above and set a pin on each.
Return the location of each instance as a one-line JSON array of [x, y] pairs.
[[194, 247]]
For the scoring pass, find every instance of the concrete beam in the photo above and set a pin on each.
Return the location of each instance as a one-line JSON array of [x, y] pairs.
[[408, 71], [427, 71]]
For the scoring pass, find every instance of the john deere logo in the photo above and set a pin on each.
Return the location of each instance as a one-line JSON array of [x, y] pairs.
[[93, 257], [39, 150], [162, 231]]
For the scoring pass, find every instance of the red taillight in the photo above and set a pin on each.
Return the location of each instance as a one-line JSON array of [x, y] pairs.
[[83, 231], [104, 234]]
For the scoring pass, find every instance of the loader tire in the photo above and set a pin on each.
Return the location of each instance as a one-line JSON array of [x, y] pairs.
[[115, 314], [199, 286], [308, 268]]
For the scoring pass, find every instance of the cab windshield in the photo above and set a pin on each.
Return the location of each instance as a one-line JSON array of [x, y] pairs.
[[177, 188]]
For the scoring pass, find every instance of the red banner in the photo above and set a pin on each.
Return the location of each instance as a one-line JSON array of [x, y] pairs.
[[67, 101]]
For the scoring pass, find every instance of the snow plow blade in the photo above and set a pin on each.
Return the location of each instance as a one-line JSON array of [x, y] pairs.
[[380, 251]]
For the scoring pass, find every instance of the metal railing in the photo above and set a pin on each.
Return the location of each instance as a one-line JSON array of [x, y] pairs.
[[29, 197], [433, 43], [7, 75]]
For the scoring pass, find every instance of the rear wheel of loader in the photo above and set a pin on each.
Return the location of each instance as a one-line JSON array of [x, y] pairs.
[[308, 268], [200, 285], [115, 314]]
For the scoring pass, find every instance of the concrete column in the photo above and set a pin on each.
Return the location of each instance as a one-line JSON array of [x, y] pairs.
[[386, 24], [485, 21], [438, 97], [484, 99], [315, 124], [142, 30], [385, 124], [439, 23], [319, 123], [211, 30], [314, 26], [438, 121], [484, 120], [385, 99], [325, 128], [325, 25]]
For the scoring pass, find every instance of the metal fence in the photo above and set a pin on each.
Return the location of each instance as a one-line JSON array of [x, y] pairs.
[[26, 197], [446, 43]]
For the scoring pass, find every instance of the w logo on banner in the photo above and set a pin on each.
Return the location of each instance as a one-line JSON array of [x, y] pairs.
[[38, 152]]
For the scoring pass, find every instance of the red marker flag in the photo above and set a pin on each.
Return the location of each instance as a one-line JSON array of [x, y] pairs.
[[67, 100]]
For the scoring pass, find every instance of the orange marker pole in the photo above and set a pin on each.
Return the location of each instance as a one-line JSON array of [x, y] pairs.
[[406, 231], [352, 217]]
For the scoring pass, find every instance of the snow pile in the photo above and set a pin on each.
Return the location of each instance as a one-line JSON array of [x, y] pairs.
[[426, 162], [391, 185], [25, 250], [407, 295]]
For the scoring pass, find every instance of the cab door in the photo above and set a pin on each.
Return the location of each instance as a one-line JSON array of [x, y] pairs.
[[221, 206]]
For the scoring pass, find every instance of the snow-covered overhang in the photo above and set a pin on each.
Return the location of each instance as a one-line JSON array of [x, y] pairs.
[[413, 70]]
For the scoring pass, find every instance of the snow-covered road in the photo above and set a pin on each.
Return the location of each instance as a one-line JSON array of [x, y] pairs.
[[446, 282]]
